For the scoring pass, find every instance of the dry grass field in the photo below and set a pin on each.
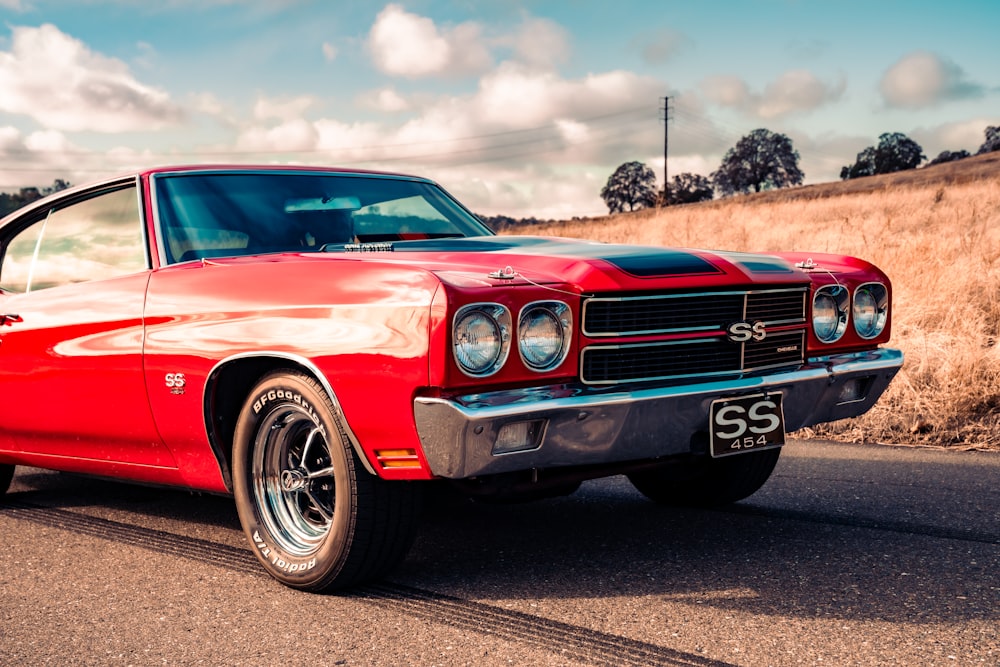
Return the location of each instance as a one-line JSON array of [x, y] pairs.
[[935, 231]]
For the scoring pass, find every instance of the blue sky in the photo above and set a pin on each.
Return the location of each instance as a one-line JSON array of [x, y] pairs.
[[518, 107]]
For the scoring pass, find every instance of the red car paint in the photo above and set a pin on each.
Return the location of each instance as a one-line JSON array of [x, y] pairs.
[[125, 376]]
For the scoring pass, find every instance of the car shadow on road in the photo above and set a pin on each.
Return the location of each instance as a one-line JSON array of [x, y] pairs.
[[607, 540], [105, 497]]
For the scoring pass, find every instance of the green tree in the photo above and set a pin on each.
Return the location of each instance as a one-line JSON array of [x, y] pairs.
[[949, 156], [762, 160], [864, 165], [992, 142], [895, 152], [688, 188], [633, 184], [11, 202]]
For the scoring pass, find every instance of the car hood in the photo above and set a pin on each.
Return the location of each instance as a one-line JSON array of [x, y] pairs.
[[492, 260]]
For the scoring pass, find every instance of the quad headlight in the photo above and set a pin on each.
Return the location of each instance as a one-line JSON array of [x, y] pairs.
[[543, 334], [483, 332], [830, 307], [482, 338], [870, 310]]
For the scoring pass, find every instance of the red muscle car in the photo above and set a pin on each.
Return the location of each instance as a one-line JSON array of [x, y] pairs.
[[321, 344]]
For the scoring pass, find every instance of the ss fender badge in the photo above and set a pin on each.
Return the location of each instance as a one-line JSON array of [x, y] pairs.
[[175, 382], [741, 332]]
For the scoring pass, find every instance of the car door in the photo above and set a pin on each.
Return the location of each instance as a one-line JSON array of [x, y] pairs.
[[74, 278]]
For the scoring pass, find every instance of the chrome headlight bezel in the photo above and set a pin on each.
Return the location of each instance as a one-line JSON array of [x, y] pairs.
[[833, 302], [544, 333], [870, 323], [477, 355]]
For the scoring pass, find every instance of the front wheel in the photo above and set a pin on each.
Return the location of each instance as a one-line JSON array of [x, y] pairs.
[[707, 482], [315, 518]]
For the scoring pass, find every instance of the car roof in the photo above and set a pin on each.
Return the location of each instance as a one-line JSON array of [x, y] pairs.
[[273, 168]]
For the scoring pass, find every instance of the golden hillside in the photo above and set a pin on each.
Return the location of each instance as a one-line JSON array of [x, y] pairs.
[[935, 231]]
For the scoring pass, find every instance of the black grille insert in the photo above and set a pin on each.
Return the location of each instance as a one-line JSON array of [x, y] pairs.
[[676, 313], [710, 354]]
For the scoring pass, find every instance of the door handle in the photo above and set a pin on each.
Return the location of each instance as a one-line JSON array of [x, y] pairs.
[[10, 318]]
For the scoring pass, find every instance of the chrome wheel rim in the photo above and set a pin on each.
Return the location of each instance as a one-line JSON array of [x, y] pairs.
[[293, 479]]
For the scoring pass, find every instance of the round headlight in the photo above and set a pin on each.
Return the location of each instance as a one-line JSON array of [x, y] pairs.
[[830, 313], [543, 332], [482, 336], [871, 310]]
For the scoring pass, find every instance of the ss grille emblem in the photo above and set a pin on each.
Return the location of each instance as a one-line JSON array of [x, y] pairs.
[[741, 332]]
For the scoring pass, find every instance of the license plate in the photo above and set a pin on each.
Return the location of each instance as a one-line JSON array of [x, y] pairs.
[[746, 424]]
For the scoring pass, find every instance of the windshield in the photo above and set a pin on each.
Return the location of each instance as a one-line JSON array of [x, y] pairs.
[[228, 214]]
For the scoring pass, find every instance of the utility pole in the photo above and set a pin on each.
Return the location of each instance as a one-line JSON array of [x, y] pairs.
[[665, 110]]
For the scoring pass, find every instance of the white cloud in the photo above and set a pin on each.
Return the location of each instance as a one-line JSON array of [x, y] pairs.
[[797, 90], [208, 103], [499, 153], [63, 85], [922, 79], [968, 135], [726, 91], [794, 91], [412, 46], [16, 5], [291, 135], [11, 140], [48, 141], [660, 46], [385, 100], [330, 51], [50, 155], [282, 109], [538, 42]]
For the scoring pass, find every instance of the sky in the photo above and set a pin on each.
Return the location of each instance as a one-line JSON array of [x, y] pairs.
[[517, 107]]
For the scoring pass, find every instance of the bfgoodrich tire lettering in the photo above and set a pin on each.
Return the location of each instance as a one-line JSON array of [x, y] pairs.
[[315, 518], [707, 482]]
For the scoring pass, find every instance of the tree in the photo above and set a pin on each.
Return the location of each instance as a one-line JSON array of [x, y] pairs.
[[12, 202], [633, 184], [949, 156], [992, 142], [688, 188], [762, 160], [895, 152], [57, 185], [864, 165]]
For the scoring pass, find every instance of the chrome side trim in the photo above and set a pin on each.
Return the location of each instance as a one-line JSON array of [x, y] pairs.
[[588, 425]]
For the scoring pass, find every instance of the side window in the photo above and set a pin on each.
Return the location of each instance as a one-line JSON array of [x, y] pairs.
[[15, 273], [100, 237]]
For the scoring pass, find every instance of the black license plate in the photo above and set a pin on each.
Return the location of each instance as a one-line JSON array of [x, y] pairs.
[[746, 424]]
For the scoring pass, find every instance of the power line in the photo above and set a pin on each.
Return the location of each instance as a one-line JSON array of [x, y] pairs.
[[609, 127]]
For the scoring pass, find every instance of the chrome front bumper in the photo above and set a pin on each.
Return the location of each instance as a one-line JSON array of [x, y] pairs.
[[586, 426]]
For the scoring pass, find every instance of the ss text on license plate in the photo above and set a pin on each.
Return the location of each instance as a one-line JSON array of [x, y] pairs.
[[746, 423]]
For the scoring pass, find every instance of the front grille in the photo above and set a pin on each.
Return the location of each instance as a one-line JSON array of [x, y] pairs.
[[782, 348], [676, 313], [658, 361], [713, 354]]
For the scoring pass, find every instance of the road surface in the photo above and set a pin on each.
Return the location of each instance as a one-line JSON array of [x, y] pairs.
[[850, 555]]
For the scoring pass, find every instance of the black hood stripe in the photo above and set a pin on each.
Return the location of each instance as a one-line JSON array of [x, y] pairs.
[[640, 261]]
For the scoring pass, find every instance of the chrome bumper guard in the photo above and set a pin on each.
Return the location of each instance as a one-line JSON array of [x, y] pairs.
[[579, 425]]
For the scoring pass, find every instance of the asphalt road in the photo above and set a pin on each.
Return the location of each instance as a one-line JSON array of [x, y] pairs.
[[851, 555]]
